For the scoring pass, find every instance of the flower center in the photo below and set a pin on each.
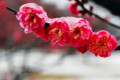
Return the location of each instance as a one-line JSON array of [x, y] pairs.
[[56, 32], [55, 35], [101, 44], [32, 18], [77, 32]]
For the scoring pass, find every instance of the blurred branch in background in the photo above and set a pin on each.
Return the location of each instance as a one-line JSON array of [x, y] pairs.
[[92, 14]]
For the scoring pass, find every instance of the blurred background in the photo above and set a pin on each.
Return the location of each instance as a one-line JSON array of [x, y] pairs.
[[27, 57]]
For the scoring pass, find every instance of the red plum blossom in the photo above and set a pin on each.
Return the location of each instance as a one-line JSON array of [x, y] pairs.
[[102, 43]]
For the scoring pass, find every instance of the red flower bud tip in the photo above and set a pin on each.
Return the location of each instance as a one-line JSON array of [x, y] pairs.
[[73, 8], [91, 8]]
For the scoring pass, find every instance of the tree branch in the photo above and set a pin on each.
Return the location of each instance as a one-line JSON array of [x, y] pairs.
[[91, 13]]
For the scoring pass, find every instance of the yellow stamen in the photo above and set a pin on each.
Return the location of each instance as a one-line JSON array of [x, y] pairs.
[[60, 33], [29, 11], [76, 36], [32, 15], [34, 20], [31, 24], [73, 27], [53, 30], [81, 32]]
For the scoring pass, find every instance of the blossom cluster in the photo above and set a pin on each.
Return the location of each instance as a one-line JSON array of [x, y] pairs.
[[65, 30]]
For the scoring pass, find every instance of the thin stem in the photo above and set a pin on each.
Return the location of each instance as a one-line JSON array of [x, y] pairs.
[[91, 13], [15, 12], [118, 48]]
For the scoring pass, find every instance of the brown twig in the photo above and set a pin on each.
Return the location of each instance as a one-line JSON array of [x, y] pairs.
[[15, 12], [91, 13]]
